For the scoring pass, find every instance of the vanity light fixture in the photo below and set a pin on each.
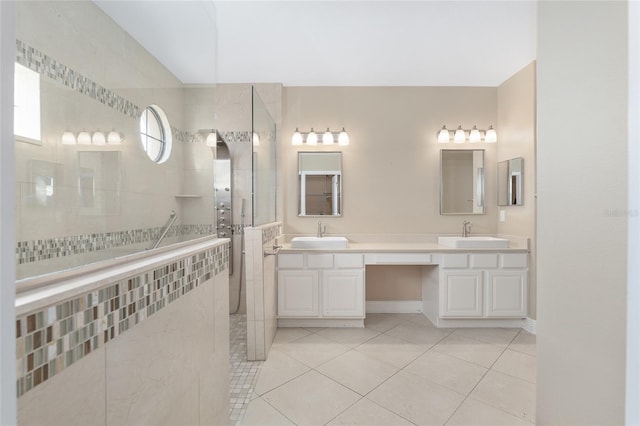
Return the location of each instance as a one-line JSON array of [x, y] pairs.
[[312, 138], [297, 138], [98, 138], [459, 136], [328, 137], [343, 138], [84, 138], [68, 138], [473, 135], [114, 138], [443, 135], [491, 136]]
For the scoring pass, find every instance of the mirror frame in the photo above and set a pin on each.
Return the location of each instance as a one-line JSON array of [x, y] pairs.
[[339, 194], [478, 189]]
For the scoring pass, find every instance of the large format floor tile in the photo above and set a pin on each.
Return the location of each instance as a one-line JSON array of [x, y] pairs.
[[472, 350], [517, 364], [475, 413], [368, 413], [453, 373], [312, 350], [311, 399], [351, 337], [392, 350], [507, 393], [277, 370], [524, 342], [416, 399], [260, 413], [497, 336], [357, 371], [398, 370]]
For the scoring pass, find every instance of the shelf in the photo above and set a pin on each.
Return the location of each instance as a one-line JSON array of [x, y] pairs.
[[188, 196]]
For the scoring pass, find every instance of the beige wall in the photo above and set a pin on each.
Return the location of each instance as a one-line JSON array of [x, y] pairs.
[[517, 125], [582, 217], [391, 166]]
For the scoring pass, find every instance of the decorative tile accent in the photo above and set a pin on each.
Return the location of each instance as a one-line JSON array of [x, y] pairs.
[[38, 61], [55, 337], [271, 233], [51, 248], [236, 136]]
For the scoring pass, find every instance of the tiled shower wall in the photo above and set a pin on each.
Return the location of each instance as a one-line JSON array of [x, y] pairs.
[[261, 288], [132, 196], [167, 325]]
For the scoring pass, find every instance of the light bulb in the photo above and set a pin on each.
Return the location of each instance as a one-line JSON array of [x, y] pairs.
[[343, 138], [327, 138], [84, 138], [443, 135], [474, 135], [459, 136], [256, 139], [212, 138], [312, 138], [297, 138], [114, 138], [491, 136], [68, 138], [98, 138]]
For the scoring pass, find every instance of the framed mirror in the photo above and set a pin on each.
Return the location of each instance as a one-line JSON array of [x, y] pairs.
[[510, 182], [320, 183], [461, 181]]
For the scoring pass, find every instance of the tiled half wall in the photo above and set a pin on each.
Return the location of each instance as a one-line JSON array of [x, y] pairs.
[[261, 289], [54, 338]]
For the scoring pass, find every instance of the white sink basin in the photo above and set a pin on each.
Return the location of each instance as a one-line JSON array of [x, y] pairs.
[[473, 242], [319, 242]]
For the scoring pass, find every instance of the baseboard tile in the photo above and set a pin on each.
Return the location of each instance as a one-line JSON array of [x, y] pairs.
[[529, 325]]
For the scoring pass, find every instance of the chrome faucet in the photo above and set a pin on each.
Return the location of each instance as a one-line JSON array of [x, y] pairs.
[[321, 229], [466, 228]]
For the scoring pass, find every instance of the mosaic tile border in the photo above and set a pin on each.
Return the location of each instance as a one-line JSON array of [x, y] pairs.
[[51, 248], [43, 64], [271, 233], [54, 338]]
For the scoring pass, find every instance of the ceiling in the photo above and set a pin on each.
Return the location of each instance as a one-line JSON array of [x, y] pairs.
[[335, 43]]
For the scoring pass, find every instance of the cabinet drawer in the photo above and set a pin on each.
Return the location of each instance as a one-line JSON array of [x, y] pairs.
[[317, 261], [514, 260], [484, 260], [290, 261], [349, 261], [455, 260]]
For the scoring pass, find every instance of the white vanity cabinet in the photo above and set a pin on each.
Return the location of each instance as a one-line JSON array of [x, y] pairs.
[[483, 285], [320, 286]]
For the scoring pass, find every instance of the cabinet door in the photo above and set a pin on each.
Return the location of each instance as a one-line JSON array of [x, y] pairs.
[[507, 294], [461, 294], [298, 294], [343, 293]]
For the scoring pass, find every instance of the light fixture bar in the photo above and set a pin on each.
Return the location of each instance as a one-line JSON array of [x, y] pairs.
[[473, 135], [313, 138]]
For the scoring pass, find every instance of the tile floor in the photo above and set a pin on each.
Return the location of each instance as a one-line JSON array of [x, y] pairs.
[[398, 370], [243, 373]]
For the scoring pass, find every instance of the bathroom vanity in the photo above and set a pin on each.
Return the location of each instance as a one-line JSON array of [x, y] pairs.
[[461, 287]]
